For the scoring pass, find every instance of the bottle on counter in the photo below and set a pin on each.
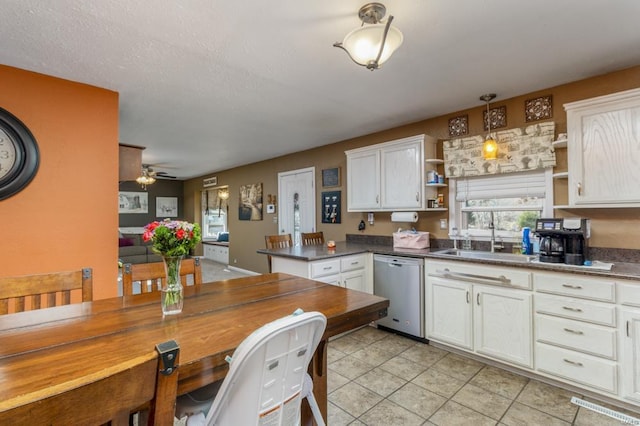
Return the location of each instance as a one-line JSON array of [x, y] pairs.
[[526, 241]]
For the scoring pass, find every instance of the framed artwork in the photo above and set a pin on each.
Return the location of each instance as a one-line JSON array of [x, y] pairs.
[[133, 202], [250, 205], [166, 207], [459, 126], [331, 207], [538, 108], [331, 177]]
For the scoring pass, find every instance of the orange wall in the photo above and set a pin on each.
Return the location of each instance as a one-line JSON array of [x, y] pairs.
[[62, 221]]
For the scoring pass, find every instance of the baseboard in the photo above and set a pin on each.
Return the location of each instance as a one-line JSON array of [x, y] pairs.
[[242, 271]]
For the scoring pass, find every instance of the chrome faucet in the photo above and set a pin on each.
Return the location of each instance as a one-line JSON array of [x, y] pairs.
[[494, 245]]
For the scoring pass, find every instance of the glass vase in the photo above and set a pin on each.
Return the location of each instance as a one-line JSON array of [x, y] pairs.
[[172, 292]]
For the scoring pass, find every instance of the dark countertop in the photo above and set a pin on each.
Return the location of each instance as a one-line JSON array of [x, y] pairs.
[[216, 243], [621, 270]]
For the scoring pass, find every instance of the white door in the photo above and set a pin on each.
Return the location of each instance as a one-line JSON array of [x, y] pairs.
[[297, 202]]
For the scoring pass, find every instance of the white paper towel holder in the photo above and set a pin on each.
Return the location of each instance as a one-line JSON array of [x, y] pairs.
[[407, 217]]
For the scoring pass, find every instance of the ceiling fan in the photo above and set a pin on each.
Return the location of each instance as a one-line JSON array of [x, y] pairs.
[[149, 171]]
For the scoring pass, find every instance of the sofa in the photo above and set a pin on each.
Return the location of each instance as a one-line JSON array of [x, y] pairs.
[[132, 249]]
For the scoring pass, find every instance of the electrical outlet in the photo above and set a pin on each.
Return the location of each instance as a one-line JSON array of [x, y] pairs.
[[443, 223]]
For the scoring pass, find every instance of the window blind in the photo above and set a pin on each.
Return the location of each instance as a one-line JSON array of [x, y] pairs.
[[512, 185]]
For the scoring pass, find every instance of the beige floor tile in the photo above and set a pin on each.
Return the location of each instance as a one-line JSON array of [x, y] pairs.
[[380, 382], [335, 380], [454, 414], [354, 399], [488, 403], [549, 399], [457, 366], [418, 400], [337, 416], [522, 415], [387, 413], [350, 367], [347, 344], [375, 354], [438, 382], [333, 354], [500, 381], [424, 354], [369, 334], [403, 367], [399, 343]]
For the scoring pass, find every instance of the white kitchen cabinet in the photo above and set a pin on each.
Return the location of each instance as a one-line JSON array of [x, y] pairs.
[[630, 365], [354, 272], [604, 150], [494, 321], [217, 253], [503, 324], [387, 176]]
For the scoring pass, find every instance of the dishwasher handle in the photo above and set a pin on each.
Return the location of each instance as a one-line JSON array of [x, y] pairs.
[[481, 279]]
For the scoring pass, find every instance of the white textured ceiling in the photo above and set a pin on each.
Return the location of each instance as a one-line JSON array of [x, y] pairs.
[[209, 85]]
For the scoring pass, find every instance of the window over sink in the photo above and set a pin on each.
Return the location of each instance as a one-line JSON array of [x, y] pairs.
[[515, 199]]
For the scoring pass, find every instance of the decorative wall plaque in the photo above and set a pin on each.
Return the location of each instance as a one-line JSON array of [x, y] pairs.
[[459, 126], [538, 109], [498, 118]]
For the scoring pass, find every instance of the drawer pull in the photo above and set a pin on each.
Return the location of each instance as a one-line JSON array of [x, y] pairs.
[[568, 330], [569, 308], [575, 287], [577, 364], [355, 263], [327, 268]]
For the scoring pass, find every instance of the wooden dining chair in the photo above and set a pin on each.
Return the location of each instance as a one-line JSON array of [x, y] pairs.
[[28, 292], [109, 395], [312, 238], [277, 241], [151, 276]]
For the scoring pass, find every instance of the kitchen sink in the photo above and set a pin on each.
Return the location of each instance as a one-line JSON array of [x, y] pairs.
[[487, 255]]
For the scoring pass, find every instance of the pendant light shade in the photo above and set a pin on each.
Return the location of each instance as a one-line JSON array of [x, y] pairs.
[[371, 45], [490, 146]]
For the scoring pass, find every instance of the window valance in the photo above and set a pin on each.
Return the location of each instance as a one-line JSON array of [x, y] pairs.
[[519, 149]]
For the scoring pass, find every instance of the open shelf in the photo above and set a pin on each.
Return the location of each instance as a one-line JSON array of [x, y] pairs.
[[436, 209], [434, 161], [436, 185], [561, 175]]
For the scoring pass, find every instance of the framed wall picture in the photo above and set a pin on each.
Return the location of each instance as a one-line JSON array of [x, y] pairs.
[[166, 207], [331, 177], [133, 202], [331, 207], [250, 205]]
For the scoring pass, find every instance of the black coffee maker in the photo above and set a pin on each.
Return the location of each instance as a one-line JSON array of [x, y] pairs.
[[563, 240]]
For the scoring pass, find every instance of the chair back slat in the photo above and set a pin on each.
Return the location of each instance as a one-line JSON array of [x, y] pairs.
[[277, 241], [312, 238], [44, 290], [152, 275]]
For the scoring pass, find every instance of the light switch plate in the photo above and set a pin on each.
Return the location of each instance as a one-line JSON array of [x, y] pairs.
[[443, 223]]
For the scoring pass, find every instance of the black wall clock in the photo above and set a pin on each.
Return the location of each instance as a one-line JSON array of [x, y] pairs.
[[19, 155]]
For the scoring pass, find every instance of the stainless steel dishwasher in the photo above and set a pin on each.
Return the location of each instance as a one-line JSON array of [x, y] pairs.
[[400, 279]]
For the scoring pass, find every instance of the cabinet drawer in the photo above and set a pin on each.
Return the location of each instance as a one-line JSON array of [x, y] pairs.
[[568, 307], [479, 274], [629, 293], [588, 338], [580, 368], [329, 267], [350, 263], [574, 285]]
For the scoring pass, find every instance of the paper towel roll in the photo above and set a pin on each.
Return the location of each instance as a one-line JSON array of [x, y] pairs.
[[404, 217]]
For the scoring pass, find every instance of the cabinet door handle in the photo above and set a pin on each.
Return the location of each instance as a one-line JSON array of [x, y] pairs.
[[417, 196], [577, 364], [628, 335], [568, 330], [377, 199], [478, 299], [579, 186], [569, 308], [468, 303], [575, 287]]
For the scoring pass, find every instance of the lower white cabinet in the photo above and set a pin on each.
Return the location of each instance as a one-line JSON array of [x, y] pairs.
[[354, 272], [495, 321], [216, 253]]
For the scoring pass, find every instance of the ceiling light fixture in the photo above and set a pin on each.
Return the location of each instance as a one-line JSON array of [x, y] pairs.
[[145, 179], [490, 146], [372, 45]]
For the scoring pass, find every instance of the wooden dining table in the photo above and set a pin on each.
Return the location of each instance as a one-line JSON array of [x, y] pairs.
[[42, 350]]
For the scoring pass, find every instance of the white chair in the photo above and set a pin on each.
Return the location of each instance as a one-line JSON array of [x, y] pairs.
[[267, 377]]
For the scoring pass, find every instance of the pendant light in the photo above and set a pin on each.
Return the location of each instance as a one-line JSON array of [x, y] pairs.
[[371, 45], [490, 146]]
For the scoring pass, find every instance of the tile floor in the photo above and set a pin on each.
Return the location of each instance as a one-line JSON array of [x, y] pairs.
[[379, 378]]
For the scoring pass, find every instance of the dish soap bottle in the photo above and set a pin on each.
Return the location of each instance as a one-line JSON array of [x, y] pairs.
[[526, 241]]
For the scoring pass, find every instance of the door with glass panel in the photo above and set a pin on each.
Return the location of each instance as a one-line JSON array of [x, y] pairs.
[[296, 203]]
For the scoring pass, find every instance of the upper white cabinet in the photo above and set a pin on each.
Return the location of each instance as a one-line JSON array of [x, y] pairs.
[[388, 176], [604, 150]]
